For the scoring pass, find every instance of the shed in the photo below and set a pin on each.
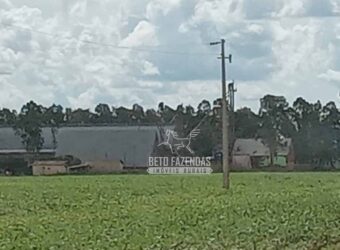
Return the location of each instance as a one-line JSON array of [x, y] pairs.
[[255, 152], [242, 162], [49, 167], [106, 167]]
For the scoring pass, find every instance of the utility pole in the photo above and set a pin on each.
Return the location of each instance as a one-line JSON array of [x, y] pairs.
[[232, 91], [225, 117]]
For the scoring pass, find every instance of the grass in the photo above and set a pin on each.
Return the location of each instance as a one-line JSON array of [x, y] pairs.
[[261, 211]]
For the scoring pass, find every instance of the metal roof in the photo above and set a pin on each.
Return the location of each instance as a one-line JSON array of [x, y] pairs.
[[131, 144], [10, 141]]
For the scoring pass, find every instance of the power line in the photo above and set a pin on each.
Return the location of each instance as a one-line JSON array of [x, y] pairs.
[[177, 44], [278, 18], [112, 46]]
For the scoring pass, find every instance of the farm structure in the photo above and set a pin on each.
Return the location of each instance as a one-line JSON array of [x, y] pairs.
[[63, 167], [49, 167], [106, 149], [254, 153]]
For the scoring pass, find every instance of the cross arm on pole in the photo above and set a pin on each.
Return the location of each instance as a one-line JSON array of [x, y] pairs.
[[214, 43], [230, 58]]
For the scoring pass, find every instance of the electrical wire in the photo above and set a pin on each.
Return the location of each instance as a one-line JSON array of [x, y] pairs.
[[112, 46]]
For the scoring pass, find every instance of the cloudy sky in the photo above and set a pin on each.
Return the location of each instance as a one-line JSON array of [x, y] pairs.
[[82, 52]]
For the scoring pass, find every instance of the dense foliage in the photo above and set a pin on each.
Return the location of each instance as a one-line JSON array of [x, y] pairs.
[[261, 211], [315, 129]]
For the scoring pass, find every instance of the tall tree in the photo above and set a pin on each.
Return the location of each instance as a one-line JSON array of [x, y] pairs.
[[153, 117], [123, 115], [137, 114], [307, 120], [103, 114], [53, 117], [273, 114], [246, 123], [204, 107], [167, 114], [7, 117], [81, 116], [29, 126], [330, 134]]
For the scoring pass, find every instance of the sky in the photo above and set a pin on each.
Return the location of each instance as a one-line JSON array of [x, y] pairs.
[[79, 53]]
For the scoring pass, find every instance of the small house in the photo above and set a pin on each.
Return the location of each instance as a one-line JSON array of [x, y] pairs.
[[254, 153]]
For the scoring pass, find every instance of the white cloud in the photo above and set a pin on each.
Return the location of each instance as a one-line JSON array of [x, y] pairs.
[[336, 6], [255, 28], [150, 69], [182, 92], [279, 47], [5, 4], [84, 100], [290, 8], [156, 7], [221, 13], [143, 34], [331, 75]]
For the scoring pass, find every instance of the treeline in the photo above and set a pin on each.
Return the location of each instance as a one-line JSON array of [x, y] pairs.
[[314, 128]]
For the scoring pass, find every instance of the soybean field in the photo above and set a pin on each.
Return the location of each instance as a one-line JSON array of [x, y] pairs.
[[261, 211]]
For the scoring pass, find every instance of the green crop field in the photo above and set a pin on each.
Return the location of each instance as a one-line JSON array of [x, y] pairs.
[[261, 211]]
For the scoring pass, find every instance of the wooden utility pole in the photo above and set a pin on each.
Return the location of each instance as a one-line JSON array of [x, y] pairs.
[[232, 91], [225, 116]]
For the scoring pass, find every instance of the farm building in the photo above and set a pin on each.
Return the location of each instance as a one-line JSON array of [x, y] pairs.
[[64, 167], [253, 153], [130, 145], [13, 154], [108, 149], [18, 159], [49, 167], [105, 167]]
